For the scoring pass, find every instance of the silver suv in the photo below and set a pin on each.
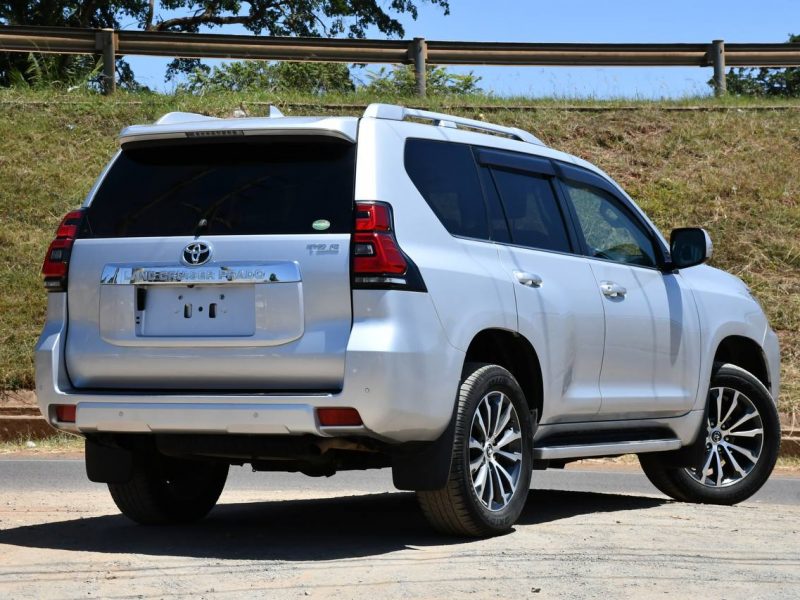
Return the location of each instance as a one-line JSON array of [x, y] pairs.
[[446, 297]]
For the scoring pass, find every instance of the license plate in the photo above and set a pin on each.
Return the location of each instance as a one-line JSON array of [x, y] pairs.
[[195, 311]]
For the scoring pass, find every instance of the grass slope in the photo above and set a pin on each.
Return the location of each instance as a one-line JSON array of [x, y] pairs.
[[730, 166]]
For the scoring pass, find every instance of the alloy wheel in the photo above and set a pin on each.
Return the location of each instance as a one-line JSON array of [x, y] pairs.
[[734, 439], [495, 451]]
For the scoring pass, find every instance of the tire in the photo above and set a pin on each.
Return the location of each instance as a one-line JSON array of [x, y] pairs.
[[742, 436], [467, 505], [166, 490]]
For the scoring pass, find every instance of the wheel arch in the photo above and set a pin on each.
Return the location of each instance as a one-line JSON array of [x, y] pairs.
[[513, 352], [746, 353]]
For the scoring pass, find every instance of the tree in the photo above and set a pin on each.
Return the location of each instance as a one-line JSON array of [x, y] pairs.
[[263, 17], [33, 69], [286, 17], [246, 75], [765, 81], [321, 78]]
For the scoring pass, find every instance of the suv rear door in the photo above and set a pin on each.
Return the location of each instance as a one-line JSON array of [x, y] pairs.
[[218, 263], [558, 308]]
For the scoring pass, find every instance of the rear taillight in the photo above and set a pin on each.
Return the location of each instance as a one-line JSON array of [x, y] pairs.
[[56, 261], [378, 261]]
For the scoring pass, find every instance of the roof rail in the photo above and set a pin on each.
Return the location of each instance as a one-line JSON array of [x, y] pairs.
[[400, 113]]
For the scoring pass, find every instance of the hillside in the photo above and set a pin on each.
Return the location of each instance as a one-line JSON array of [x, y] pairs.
[[731, 167]]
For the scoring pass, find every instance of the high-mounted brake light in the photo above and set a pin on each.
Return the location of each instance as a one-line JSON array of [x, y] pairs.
[[56, 261], [378, 261]]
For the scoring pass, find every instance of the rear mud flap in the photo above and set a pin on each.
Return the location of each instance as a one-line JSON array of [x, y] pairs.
[[108, 464], [426, 467]]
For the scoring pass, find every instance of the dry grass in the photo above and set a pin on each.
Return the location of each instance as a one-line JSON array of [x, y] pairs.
[[58, 443], [730, 167]]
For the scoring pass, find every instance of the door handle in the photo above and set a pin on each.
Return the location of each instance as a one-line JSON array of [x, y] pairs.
[[612, 290], [528, 279]]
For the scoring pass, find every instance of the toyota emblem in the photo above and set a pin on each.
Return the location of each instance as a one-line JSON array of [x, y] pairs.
[[196, 253]]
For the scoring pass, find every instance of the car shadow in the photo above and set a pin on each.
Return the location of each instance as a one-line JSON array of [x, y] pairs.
[[295, 530], [544, 506]]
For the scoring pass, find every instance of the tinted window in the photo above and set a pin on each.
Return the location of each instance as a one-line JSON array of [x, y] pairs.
[[532, 211], [253, 187], [447, 177], [608, 230]]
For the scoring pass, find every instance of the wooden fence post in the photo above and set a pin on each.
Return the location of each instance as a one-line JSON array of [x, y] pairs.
[[106, 43], [718, 59], [419, 53]]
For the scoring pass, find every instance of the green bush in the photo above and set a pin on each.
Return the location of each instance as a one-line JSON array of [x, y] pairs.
[[252, 75], [401, 81]]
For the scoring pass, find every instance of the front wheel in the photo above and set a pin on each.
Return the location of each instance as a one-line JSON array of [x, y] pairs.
[[490, 470], [742, 436]]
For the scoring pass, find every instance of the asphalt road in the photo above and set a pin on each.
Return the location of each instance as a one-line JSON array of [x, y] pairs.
[[582, 534], [39, 474]]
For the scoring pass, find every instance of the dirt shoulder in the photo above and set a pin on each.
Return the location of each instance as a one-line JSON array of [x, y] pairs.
[[302, 543]]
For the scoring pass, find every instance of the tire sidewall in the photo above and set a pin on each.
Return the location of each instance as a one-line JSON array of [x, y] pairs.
[[733, 377], [493, 378]]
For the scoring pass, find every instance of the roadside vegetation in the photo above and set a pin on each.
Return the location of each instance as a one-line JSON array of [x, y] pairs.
[[728, 165], [765, 82], [57, 443]]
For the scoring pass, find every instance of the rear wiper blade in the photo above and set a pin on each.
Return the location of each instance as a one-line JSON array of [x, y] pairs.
[[202, 227]]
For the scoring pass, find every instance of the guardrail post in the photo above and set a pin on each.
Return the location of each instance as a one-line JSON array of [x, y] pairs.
[[718, 60], [419, 53], [106, 43]]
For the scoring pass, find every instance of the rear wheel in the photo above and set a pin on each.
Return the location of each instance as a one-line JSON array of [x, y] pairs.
[[166, 490], [490, 470], [742, 437]]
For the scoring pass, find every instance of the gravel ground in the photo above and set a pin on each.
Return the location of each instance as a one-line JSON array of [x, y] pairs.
[[354, 544]]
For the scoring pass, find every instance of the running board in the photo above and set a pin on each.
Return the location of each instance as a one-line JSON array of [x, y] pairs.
[[604, 449]]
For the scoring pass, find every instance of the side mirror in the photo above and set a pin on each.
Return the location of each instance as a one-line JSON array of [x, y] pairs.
[[689, 246]]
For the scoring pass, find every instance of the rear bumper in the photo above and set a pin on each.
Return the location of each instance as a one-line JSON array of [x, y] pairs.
[[195, 417], [401, 374]]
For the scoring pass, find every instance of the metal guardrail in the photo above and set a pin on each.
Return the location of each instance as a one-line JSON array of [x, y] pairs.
[[419, 52]]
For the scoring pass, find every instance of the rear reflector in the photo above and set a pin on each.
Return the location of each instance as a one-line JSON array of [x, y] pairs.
[[65, 413], [339, 417]]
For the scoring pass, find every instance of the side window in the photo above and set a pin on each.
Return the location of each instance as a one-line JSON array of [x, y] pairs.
[[608, 230], [447, 177], [532, 211]]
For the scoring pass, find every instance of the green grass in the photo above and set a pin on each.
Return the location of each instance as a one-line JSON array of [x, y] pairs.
[[730, 166]]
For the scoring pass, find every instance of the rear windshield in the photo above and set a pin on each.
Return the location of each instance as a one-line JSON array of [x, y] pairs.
[[264, 186]]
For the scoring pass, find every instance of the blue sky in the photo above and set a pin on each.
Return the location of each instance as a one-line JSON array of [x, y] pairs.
[[585, 21]]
